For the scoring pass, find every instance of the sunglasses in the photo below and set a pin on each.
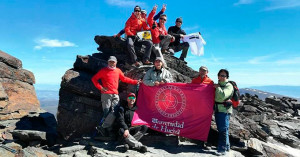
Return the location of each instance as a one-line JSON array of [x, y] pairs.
[[179, 21], [137, 11], [131, 97], [163, 19], [222, 76]]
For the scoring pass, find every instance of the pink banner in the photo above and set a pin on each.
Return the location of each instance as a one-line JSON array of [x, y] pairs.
[[176, 108]]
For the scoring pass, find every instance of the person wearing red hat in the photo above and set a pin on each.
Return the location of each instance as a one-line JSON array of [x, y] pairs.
[[130, 134]]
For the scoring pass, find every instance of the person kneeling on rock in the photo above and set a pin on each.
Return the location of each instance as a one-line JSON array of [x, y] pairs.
[[130, 134]]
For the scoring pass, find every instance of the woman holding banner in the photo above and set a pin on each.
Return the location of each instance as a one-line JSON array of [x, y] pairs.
[[223, 109]]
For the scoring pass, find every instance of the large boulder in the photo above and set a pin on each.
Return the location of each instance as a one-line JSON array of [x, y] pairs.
[[17, 94], [79, 109]]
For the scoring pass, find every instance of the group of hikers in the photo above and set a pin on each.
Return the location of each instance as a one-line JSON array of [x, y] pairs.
[[161, 42], [121, 114]]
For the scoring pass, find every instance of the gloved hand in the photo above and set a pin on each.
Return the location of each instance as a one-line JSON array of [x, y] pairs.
[[154, 25]]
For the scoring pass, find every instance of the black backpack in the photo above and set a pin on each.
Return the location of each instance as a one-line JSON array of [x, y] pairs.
[[236, 94]]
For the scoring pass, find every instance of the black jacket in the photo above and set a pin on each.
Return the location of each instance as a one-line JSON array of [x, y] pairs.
[[124, 116], [175, 31]]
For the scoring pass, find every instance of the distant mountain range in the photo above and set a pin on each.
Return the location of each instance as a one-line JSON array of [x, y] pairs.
[[49, 98], [290, 91]]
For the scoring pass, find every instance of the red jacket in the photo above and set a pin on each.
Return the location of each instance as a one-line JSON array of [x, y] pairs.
[[205, 80], [110, 80], [134, 25], [159, 30]]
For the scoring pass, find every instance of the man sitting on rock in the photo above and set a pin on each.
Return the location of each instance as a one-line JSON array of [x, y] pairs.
[[160, 36], [109, 77], [131, 134], [157, 75], [133, 25], [178, 33]]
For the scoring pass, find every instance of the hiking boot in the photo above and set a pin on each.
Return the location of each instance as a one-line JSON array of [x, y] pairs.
[[126, 147], [147, 62], [182, 59], [220, 153], [165, 51], [171, 52], [136, 64], [143, 149]]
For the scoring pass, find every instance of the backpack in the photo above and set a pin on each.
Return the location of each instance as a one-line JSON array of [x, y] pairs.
[[236, 95]]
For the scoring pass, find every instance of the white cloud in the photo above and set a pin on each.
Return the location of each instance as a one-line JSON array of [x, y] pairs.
[[124, 3], [282, 4], [52, 43], [241, 2]]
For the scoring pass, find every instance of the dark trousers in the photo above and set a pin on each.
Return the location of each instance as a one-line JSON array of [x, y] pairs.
[[182, 46], [135, 129], [130, 46]]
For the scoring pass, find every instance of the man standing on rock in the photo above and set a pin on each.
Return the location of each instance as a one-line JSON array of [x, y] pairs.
[[131, 134], [157, 75], [203, 78], [178, 33], [109, 77], [133, 25]]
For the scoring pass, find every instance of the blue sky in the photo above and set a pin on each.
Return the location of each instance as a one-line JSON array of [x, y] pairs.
[[258, 41]]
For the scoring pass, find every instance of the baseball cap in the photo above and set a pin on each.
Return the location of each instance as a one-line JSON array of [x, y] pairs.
[[137, 8], [144, 11], [112, 58], [131, 94], [179, 19], [204, 68], [158, 58]]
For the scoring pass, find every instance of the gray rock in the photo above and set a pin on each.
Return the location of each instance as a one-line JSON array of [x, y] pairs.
[[248, 108], [257, 147], [82, 153], [72, 149], [29, 135], [37, 152]]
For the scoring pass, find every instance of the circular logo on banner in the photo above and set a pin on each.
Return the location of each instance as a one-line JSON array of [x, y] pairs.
[[170, 101]]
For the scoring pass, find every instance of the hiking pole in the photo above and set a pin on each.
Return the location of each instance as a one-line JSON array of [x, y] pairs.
[[9, 149], [101, 122]]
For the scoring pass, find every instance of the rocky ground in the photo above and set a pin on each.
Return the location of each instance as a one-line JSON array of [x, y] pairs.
[[258, 127]]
